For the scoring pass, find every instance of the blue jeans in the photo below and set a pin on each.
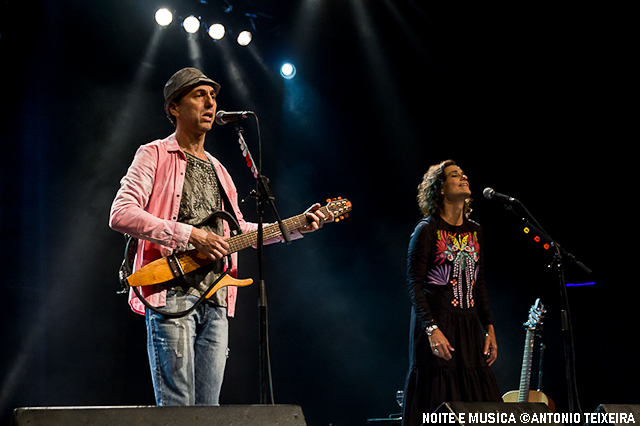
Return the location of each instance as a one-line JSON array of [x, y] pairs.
[[187, 355]]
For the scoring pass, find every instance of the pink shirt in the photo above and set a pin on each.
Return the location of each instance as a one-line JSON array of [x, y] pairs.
[[146, 207]]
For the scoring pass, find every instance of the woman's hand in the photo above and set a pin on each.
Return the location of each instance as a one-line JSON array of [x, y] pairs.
[[440, 345], [490, 345]]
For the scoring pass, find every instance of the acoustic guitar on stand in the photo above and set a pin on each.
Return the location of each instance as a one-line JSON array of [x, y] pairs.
[[524, 393]]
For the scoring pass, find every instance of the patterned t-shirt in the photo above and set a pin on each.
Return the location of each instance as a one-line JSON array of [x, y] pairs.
[[200, 198]]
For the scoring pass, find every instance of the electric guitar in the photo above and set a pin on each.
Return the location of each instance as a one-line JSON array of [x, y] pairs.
[[524, 394], [174, 266]]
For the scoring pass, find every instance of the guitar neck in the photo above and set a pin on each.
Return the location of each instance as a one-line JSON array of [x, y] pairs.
[[525, 373], [242, 241]]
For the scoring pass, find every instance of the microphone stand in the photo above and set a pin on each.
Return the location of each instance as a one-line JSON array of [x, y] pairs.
[[567, 329], [263, 194]]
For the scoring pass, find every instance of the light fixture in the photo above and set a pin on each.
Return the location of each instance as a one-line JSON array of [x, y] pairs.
[[288, 71], [191, 24], [244, 38], [216, 31], [163, 17]]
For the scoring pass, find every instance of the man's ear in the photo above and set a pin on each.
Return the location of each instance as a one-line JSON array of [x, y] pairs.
[[173, 109]]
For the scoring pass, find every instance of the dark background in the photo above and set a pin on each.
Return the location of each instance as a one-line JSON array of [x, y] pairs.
[[383, 90]]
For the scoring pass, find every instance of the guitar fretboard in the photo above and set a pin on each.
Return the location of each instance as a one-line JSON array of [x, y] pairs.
[[249, 239], [525, 373]]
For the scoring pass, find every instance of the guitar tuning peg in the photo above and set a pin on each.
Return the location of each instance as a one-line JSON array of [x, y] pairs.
[[336, 220], [334, 199], [328, 200]]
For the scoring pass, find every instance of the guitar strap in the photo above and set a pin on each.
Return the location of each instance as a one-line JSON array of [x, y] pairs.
[[226, 204]]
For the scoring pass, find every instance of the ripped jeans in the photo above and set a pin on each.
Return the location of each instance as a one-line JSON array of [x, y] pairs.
[[187, 355]]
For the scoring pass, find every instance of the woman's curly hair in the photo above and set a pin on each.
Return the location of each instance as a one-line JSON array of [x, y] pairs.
[[430, 197]]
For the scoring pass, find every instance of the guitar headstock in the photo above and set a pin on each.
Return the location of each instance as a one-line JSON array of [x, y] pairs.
[[536, 313], [340, 207]]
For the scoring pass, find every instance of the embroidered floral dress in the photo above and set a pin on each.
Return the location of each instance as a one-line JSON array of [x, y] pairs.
[[447, 289]]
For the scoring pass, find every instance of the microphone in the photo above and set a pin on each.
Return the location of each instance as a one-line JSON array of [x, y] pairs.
[[491, 194], [224, 117]]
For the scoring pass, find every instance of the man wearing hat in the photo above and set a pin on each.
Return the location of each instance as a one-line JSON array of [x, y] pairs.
[[171, 185]]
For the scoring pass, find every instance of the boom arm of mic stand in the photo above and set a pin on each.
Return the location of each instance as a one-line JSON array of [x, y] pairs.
[[263, 190], [546, 238]]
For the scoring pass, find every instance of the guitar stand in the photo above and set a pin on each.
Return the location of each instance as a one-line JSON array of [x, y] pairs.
[[567, 329], [262, 194]]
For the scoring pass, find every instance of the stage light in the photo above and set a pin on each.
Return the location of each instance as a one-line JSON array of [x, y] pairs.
[[244, 38], [191, 24], [216, 31], [164, 17], [288, 71]]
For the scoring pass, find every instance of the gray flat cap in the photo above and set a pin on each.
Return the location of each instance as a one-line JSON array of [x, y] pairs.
[[182, 80]]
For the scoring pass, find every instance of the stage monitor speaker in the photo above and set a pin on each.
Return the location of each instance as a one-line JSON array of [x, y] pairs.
[[615, 414], [493, 412], [226, 415]]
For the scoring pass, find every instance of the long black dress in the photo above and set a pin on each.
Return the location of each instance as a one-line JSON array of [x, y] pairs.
[[447, 288]]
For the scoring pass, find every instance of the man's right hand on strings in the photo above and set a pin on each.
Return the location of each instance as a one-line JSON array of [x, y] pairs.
[[208, 243]]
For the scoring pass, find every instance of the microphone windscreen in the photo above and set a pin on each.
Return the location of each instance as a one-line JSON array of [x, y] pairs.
[[488, 193]]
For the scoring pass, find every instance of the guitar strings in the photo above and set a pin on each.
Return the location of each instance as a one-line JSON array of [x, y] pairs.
[[243, 241]]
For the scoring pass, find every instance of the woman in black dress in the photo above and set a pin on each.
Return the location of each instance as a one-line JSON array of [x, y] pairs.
[[450, 355]]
